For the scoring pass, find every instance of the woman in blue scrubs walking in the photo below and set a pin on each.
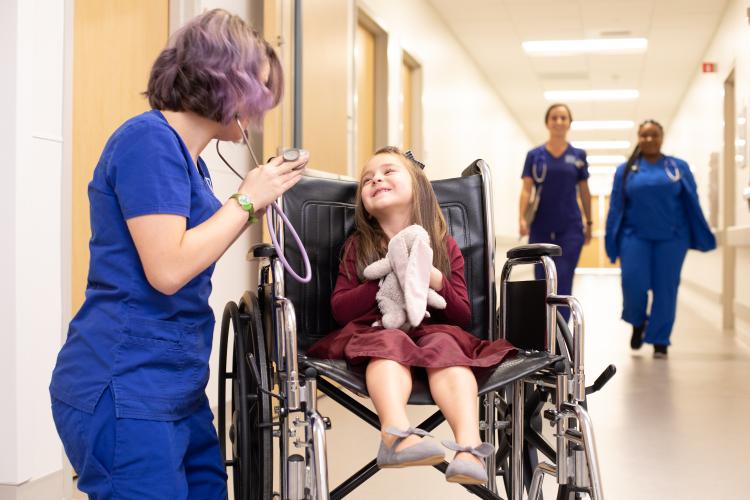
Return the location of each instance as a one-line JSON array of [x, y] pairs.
[[654, 218], [128, 389], [558, 173]]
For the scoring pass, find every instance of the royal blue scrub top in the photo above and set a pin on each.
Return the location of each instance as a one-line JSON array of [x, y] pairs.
[[151, 349], [655, 209], [558, 205]]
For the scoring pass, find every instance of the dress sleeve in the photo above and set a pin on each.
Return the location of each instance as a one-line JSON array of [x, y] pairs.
[[351, 299], [458, 310], [528, 164], [149, 173]]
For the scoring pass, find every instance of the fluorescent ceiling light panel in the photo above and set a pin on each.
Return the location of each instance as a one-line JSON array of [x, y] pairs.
[[592, 95], [602, 125], [587, 46], [605, 159], [601, 144]]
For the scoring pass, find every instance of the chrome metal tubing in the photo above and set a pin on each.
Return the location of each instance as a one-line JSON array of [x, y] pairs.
[[589, 447], [486, 174], [296, 473], [550, 274], [536, 480], [490, 436], [281, 339], [504, 276], [561, 397], [289, 326], [517, 452], [576, 312], [320, 468]]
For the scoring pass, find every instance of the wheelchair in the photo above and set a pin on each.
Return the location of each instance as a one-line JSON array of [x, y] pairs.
[[274, 385]]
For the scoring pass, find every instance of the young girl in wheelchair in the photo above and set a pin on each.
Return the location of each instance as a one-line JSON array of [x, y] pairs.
[[393, 194]]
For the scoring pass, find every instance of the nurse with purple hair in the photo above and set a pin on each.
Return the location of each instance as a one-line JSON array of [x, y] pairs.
[[128, 389]]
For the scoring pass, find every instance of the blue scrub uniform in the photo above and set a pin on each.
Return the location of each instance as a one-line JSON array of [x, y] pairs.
[[651, 229], [558, 219], [128, 389]]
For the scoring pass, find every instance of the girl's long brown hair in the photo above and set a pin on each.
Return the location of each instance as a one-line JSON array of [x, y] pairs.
[[372, 243]]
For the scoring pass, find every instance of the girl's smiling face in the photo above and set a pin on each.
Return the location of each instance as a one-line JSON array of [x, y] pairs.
[[386, 185]]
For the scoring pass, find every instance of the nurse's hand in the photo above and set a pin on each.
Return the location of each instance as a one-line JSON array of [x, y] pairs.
[[267, 182], [523, 229], [586, 234]]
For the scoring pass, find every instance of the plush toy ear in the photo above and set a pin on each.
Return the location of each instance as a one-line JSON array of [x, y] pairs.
[[416, 280]]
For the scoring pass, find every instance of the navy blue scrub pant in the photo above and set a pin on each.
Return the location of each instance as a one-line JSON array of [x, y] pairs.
[[571, 242], [125, 458], [651, 265]]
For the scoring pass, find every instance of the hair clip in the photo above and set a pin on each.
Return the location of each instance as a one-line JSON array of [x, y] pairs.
[[410, 155]]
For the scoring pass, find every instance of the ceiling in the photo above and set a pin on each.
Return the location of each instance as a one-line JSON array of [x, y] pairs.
[[678, 33]]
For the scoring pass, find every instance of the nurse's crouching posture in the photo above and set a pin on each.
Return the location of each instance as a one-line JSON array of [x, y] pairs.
[[654, 218], [128, 390]]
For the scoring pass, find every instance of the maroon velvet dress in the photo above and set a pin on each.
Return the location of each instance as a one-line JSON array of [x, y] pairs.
[[438, 342]]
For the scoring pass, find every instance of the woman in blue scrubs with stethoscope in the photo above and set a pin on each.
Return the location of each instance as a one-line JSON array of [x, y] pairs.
[[654, 218], [557, 173], [128, 389]]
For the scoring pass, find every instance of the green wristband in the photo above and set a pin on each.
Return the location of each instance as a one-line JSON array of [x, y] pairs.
[[245, 204]]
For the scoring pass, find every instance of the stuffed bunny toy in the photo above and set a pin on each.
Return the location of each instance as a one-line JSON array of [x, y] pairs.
[[405, 292]]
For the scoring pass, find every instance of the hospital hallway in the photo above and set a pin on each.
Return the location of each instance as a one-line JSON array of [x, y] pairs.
[[665, 429]]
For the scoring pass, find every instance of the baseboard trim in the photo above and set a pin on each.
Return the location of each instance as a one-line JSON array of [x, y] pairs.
[[704, 291]]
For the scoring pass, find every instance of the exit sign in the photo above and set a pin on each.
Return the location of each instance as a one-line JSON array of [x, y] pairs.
[[709, 67]]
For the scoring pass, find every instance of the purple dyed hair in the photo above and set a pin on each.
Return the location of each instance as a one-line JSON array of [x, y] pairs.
[[212, 66]]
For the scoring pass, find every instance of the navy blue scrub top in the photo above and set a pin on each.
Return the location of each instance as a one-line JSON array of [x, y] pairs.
[[151, 348], [558, 206], [654, 209]]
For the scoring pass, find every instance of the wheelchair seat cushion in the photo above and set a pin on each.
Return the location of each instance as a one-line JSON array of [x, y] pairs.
[[436, 343]]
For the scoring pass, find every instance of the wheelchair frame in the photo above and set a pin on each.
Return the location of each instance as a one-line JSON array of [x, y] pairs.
[[574, 462]]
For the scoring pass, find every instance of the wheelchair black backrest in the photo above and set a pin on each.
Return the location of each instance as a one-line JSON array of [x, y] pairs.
[[322, 211]]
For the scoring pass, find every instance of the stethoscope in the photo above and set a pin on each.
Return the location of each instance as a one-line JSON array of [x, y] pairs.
[[539, 179], [674, 175], [288, 156]]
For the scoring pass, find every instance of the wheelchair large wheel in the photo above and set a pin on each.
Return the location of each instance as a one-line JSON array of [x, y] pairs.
[[250, 429]]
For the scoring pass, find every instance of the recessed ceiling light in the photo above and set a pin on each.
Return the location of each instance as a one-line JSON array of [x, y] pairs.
[[587, 46], [601, 144], [602, 124], [592, 95], [605, 159]]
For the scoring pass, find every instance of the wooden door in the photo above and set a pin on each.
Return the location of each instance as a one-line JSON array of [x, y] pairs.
[[115, 44], [364, 61]]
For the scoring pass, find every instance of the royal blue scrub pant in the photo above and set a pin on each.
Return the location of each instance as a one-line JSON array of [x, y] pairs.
[[651, 265], [124, 458], [571, 242]]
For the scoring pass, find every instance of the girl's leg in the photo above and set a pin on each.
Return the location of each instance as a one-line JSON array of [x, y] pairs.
[[389, 385], [454, 389]]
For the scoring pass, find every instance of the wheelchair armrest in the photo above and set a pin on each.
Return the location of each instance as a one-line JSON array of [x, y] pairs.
[[534, 250], [263, 250]]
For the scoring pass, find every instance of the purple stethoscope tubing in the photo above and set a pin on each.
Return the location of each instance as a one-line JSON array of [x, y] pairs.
[[274, 207]]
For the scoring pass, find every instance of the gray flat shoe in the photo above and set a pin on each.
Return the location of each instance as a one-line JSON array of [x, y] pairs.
[[464, 471], [423, 453]]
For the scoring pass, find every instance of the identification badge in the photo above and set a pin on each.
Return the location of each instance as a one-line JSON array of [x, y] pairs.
[[574, 161]]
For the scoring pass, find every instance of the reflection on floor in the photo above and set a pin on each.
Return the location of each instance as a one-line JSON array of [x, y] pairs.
[[669, 429]]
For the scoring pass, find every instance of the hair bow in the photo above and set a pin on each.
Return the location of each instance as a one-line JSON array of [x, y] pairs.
[[410, 155]]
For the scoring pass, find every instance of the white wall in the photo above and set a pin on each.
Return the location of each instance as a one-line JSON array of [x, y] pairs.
[[697, 130], [462, 117], [31, 55]]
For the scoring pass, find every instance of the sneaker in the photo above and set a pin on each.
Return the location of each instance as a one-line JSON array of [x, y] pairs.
[[636, 340], [660, 351]]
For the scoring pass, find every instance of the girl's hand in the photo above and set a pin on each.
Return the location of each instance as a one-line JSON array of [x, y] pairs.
[[586, 234], [436, 279], [267, 182], [523, 229]]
